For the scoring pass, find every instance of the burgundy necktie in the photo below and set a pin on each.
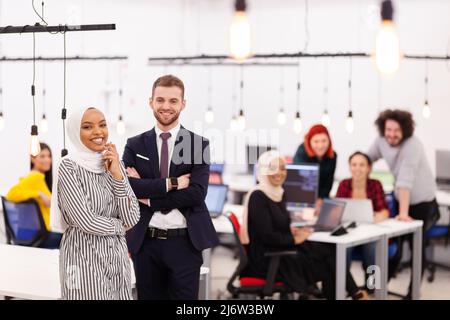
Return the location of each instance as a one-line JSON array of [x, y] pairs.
[[164, 161]]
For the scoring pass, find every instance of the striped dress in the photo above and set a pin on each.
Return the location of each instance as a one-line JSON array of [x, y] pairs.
[[94, 261]]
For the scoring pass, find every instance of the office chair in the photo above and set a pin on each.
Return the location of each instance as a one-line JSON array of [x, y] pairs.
[[24, 224], [435, 234], [256, 287]]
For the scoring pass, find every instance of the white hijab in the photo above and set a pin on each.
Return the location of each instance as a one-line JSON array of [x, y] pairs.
[[263, 170], [81, 155]]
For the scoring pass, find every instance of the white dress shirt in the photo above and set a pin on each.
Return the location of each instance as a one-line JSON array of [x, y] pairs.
[[174, 219]]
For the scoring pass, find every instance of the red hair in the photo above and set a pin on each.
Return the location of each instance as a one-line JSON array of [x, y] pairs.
[[317, 129]]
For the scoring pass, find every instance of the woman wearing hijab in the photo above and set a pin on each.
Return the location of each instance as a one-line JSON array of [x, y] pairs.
[[317, 148], [267, 228], [93, 204]]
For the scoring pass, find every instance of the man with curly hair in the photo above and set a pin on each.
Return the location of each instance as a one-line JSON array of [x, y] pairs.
[[415, 187]]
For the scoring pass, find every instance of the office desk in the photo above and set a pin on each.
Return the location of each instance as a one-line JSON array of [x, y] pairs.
[[360, 235], [379, 233], [394, 228], [443, 198], [239, 182], [33, 273], [222, 224]]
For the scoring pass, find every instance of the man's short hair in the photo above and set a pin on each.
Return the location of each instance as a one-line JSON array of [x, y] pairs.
[[402, 117], [168, 81]]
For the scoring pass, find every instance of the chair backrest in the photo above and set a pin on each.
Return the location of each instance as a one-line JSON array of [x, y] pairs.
[[242, 254], [24, 223], [392, 204]]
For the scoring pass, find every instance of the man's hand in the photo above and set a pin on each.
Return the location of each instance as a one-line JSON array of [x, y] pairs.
[[404, 217], [133, 173], [183, 181]]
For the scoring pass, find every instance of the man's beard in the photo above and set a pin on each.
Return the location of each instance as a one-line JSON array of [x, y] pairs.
[[166, 122]]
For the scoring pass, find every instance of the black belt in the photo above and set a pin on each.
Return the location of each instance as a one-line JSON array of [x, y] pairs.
[[164, 234]]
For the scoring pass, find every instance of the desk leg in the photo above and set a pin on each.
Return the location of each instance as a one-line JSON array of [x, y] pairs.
[[417, 264], [207, 263], [381, 260], [341, 261]]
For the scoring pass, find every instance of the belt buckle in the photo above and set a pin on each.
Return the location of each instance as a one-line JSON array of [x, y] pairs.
[[162, 234]]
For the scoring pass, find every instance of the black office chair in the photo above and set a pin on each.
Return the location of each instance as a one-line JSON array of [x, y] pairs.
[[24, 224], [251, 286], [437, 233]]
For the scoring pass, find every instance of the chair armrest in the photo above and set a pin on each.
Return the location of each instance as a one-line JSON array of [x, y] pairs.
[[281, 253]]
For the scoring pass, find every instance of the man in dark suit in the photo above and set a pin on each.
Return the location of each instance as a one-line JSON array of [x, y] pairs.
[[168, 168]]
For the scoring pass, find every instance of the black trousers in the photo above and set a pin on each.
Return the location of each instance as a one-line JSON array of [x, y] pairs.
[[167, 269], [429, 213]]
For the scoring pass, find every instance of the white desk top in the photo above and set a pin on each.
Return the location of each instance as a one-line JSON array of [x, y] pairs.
[[443, 198], [361, 234], [394, 227], [222, 224], [29, 273], [239, 182], [33, 273]]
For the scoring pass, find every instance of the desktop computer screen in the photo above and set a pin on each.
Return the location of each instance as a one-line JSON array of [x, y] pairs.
[[216, 198], [301, 186], [443, 169]]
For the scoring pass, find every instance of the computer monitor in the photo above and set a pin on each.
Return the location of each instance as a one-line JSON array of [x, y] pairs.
[[216, 167], [301, 186], [443, 167], [216, 198], [330, 215], [252, 155]]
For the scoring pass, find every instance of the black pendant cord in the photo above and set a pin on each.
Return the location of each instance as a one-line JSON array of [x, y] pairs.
[[350, 86], [241, 111], [325, 87], [33, 88], [298, 90], [64, 151]]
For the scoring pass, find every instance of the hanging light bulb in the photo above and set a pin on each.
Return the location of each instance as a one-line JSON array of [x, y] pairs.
[[35, 147], [240, 35], [298, 126], [120, 126], [426, 110], [234, 126], [44, 123], [209, 116], [2, 121], [349, 123], [241, 120], [387, 47], [326, 119], [281, 117]]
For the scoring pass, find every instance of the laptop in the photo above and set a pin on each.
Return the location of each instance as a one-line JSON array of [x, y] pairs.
[[216, 198], [357, 210], [330, 216], [443, 169]]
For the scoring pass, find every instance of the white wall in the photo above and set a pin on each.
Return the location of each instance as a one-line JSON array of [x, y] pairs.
[[186, 27]]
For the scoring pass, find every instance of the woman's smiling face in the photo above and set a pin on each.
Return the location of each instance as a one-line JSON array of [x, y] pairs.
[[94, 130]]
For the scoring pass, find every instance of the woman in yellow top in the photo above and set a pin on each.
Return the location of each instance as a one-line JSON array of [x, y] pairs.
[[38, 185]]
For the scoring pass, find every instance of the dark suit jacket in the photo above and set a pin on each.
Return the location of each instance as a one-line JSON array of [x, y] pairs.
[[190, 155]]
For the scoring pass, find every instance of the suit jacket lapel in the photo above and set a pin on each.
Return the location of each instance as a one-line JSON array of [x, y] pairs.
[[152, 148]]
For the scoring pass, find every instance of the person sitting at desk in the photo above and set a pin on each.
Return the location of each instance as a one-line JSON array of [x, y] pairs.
[[267, 228], [317, 148], [38, 185], [360, 186]]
